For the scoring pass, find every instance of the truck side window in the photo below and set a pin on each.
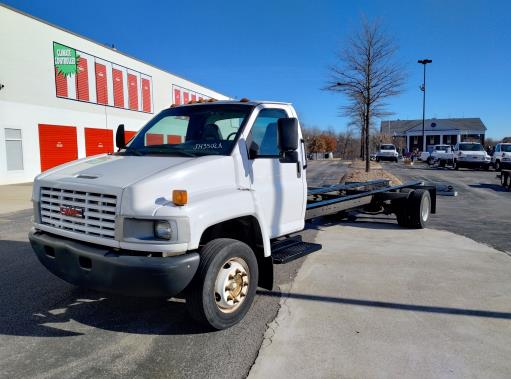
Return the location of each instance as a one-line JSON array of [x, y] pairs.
[[264, 132]]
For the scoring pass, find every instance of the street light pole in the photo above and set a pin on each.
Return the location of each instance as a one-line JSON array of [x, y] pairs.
[[424, 62]]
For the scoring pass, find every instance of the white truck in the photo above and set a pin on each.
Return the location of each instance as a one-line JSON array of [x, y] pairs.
[[437, 152], [470, 155], [387, 152], [501, 157], [201, 204]]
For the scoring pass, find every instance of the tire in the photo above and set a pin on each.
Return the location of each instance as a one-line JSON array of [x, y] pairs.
[[429, 161], [419, 208], [455, 165], [224, 262], [377, 159], [497, 166], [401, 209], [442, 163], [396, 160]]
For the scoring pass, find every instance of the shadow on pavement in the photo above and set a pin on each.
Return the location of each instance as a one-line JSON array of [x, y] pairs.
[[396, 306], [35, 303], [494, 187]]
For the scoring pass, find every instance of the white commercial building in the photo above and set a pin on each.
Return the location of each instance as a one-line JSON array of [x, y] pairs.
[[63, 95]]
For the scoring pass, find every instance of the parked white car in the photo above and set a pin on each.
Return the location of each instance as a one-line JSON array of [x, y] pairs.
[[387, 152], [470, 155], [501, 158]]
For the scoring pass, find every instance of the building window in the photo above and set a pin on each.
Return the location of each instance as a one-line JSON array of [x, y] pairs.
[[415, 140], [14, 149], [448, 140], [432, 140]]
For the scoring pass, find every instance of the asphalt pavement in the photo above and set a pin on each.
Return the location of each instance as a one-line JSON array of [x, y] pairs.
[[481, 211], [49, 328]]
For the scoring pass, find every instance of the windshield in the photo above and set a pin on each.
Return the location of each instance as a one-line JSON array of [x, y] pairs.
[[441, 147], [387, 147], [208, 129], [505, 148], [471, 147]]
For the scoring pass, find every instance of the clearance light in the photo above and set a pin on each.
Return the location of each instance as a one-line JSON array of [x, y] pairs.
[[244, 100], [180, 197], [211, 100]]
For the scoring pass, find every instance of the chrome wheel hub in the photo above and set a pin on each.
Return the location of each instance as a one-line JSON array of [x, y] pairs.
[[231, 285]]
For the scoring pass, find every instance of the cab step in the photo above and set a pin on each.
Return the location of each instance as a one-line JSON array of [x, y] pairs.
[[287, 250]]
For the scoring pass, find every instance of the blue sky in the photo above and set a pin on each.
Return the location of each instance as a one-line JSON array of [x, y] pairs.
[[281, 50]]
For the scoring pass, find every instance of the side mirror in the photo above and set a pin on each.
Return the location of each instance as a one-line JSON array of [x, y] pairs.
[[287, 139], [287, 134], [120, 139]]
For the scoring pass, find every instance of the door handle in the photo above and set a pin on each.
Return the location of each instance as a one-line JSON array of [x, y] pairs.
[[304, 155]]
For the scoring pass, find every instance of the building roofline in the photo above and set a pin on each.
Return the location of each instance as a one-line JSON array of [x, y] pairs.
[[3, 5]]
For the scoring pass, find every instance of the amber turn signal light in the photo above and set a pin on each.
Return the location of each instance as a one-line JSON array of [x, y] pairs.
[[180, 197]]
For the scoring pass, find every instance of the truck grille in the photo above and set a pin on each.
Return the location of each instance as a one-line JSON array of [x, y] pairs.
[[82, 212]]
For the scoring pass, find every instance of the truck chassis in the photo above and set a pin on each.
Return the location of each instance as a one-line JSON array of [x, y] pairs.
[[412, 202]]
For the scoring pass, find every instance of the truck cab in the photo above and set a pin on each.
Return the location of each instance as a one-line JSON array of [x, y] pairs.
[[501, 157], [222, 177]]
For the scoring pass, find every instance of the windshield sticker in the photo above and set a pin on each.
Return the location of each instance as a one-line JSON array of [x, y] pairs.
[[204, 146]]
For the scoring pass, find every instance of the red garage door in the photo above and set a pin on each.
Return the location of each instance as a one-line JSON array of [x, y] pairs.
[[98, 141], [57, 145], [82, 80], [186, 97], [146, 95], [173, 140], [153, 139], [128, 134], [101, 89], [133, 91], [118, 88], [177, 96]]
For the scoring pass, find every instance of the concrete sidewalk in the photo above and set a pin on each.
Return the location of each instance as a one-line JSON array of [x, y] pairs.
[[15, 197], [383, 302]]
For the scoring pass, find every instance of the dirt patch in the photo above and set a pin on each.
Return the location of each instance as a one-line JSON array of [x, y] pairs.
[[357, 173]]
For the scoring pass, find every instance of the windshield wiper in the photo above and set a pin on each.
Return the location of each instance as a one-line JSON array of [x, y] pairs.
[[132, 150]]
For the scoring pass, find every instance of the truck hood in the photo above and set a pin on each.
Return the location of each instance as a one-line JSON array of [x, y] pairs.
[[110, 171]]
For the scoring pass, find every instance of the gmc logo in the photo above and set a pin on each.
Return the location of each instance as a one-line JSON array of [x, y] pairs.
[[71, 212]]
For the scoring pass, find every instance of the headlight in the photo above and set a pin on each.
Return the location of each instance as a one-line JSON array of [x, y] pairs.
[[487, 158], [162, 230]]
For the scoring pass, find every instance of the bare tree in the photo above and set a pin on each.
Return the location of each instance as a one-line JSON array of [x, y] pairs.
[[367, 74]]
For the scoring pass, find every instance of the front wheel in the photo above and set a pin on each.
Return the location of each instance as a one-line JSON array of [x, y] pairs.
[[225, 284], [496, 165], [456, 165]]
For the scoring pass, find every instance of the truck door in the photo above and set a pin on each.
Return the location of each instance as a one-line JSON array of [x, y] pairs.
[[279, 188]]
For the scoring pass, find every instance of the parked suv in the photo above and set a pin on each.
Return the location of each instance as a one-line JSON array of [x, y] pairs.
[[387, 152], [470, 154], [501, 156]]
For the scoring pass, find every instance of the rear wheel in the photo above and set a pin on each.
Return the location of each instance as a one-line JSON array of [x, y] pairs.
[[497, 165], [377, 159], [419, 208], [225, 284], [455, 165]]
